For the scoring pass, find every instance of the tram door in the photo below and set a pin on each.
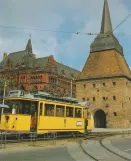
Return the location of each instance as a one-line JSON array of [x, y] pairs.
[[34, 114], [40, 112]]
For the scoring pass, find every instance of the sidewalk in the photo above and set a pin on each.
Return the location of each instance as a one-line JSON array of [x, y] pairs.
[[109, 130]]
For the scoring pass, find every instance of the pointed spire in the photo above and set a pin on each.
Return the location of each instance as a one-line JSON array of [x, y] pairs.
[[29, 46], [102, 42], [106, 26]]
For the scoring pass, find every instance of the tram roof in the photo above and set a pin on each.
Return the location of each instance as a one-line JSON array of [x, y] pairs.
[[40, 95]]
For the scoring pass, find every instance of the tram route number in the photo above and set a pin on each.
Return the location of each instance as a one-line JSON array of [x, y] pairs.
[[78, 123]]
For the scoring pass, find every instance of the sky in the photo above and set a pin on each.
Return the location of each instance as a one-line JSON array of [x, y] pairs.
[[82, 16]]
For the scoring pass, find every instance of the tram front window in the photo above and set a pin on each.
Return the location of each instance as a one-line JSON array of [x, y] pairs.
[[21, 107]]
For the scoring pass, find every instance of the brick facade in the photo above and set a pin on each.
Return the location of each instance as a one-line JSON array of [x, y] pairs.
[[105, 80], [112, 95], [22, 70]]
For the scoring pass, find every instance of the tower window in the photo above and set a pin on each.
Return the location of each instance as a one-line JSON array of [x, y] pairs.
[[94, 99], [114, 83], [115, 114], [87, 99], [114, 98], [94, 85], [104, 98], [104, 84], [83, 99]]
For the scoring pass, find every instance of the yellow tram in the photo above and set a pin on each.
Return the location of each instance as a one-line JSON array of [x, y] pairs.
[[42, 113]]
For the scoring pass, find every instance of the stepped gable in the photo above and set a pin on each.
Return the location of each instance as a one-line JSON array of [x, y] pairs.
[[106, 57]]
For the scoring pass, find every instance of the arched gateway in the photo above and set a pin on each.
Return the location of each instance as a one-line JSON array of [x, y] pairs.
[[100, 119]]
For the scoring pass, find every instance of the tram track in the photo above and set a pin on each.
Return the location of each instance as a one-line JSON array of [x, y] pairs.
[[69, 138], [100, 141], [103, 146]]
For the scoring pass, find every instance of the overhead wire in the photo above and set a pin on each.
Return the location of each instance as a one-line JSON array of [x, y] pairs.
[[45, 30], [108, 35]]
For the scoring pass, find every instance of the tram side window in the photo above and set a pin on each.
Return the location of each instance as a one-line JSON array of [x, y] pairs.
[[69, 111], [34, 107], [78, 112], [26, 109], [41, 109], [59, 110], [49, 109], [7, 111]]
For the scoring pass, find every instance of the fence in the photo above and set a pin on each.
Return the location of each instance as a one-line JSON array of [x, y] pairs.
[[31, 138]]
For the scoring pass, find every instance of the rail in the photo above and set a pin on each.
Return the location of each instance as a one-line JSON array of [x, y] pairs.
[[100, 136]]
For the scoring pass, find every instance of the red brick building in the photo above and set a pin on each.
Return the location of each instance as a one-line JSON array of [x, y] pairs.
[[22, 70]]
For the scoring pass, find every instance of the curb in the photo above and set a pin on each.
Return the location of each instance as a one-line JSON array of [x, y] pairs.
[[108, 145]]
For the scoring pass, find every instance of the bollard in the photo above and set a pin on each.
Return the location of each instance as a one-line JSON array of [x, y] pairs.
[[54, 137], [128, 133], [5, 141], [1, 140], [19, 136], [31, 139], [123, 134]]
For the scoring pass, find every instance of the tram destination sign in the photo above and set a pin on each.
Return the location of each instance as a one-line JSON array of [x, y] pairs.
[[78, 123]]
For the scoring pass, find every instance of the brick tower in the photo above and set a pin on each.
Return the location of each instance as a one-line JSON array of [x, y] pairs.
[[105, 80]]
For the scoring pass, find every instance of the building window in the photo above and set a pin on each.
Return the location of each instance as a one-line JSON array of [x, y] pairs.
[[104, 84], [104, 98], [114, 83], [87, 99], [84, 85], [114, 98], [115, 114], [83, 99], [94, 99], [94, 85]]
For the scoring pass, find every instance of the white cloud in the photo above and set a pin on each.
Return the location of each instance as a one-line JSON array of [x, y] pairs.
[[69, 15]]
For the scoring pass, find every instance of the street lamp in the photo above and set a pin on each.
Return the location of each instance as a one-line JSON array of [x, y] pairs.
[[4, 93], [71, 88]]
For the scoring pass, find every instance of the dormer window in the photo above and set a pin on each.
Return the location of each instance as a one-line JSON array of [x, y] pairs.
[[83, 99], [114, 98], [94, 99]]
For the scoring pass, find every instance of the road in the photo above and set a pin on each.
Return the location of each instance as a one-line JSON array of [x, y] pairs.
[[69, 152], [48, 154], [123, 144]]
